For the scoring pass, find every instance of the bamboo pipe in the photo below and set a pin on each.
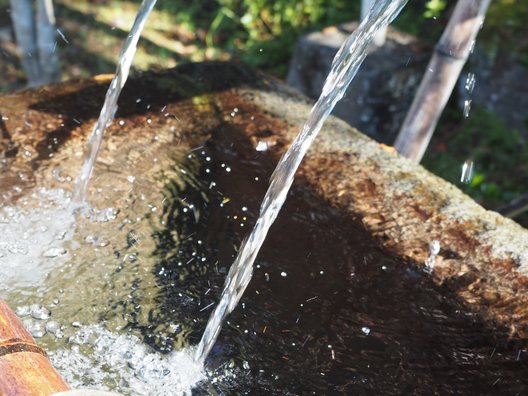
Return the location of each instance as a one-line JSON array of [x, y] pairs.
[[442, 73], [24, 366]]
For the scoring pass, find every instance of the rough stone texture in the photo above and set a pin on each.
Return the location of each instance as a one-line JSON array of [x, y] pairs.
[[380, 95], [483, 257]]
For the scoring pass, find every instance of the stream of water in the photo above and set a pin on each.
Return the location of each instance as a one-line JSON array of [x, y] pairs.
[[110, 104], [344, 67]]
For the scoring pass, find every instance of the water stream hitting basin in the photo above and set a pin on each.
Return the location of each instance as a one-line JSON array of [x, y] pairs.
[[327, 310], [120, 296]]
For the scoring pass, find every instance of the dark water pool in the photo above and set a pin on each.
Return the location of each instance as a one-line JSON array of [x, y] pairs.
[[328, 311]]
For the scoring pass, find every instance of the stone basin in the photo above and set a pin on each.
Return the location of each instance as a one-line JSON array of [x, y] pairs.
[[396, 207]]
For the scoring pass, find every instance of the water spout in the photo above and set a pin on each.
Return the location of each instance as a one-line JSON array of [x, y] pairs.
[[110, 104], [344, 67]]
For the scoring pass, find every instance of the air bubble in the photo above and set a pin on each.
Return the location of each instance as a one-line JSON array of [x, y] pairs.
[[39, 312]]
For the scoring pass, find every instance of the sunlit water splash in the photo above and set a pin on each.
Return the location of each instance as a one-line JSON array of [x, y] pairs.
[[96, 355], [110, 104], [33, 236], [344, 67]]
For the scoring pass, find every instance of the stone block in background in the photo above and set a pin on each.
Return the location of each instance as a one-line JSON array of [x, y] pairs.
[[501, 83], [380, 95]]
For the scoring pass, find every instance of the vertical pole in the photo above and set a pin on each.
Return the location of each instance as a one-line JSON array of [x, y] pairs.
[[24, 25], [440, 78], [46, 41]]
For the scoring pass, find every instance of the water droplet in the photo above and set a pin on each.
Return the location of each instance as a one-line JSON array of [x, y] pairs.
[[472, 47], [467, 107], [470, 82], [467, 172], [434, 247], [261, 146], [365, 330]]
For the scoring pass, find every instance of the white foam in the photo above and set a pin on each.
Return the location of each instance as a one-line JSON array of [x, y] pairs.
[[100, 359], [30, 237]]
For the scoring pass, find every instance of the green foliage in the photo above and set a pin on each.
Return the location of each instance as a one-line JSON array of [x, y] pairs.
[[500, 155], [506, 22], [434, 8], [265, 31], [260, 32]]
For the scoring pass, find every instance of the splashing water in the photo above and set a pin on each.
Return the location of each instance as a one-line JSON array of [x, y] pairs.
[[344, 67], [110, 104], [33, 237], [95, 355]]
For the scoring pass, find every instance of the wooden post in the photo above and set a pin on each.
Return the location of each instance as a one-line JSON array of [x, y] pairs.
[[25, 32], [24, 366], [46, 41], [440, 78]]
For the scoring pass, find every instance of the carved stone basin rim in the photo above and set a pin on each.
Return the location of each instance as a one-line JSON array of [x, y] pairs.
[[483, 257]]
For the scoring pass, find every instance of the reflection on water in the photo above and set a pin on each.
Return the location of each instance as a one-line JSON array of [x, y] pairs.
[[327, 312]]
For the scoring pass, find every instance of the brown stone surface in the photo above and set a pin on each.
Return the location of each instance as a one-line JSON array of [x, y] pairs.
[[483, 256]]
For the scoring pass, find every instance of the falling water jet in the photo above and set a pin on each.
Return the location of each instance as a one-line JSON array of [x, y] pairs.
[[110, 104], [344, 67]]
